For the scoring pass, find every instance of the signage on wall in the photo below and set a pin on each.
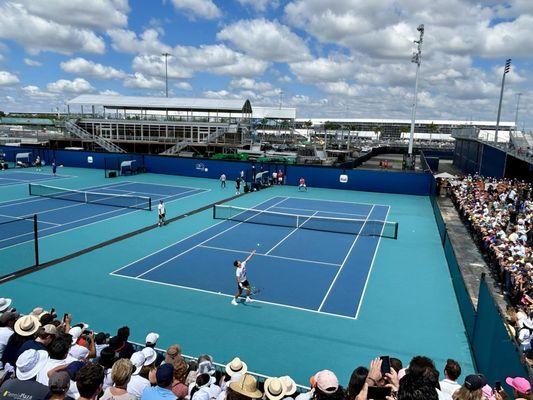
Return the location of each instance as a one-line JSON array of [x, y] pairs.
[[343, 178], [89, 159], [201, 167]]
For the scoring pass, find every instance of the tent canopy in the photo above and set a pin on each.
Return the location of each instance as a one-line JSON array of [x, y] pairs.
[[445, 175]]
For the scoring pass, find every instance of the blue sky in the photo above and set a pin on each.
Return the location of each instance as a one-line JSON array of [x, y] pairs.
[[342, 58]]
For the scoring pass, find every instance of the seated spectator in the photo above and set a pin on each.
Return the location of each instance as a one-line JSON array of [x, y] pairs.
[[127, 349], [274, 389], [4, 304], [106, 360], [59, 384], [44, 337], [120, 374], [205, 365], [101, 340], [151, 341], [24, 386], [7, 323], [89, 381], [204, 388], [235, 369], [521, 387], [181, 369], [289, 386], [149, 369], [471, 389], [357, 381], [137, 383], [244, 389], [452, 371], [327, 386], [173, 352], [396, 364], [163, 389], [25, 328]]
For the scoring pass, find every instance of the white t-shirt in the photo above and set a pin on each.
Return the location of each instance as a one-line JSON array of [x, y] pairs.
[[240, 272], [42, 375], [223, 178], [448, 386], [136, 385], [161, 208], [5, 334]]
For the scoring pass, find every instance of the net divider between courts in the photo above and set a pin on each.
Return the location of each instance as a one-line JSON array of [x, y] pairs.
[[90, 197], [364, 227]]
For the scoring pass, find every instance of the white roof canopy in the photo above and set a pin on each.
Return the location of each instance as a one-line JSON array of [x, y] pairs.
[[162, 103]]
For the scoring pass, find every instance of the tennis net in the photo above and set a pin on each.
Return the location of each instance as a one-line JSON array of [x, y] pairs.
[[364, 227], [106, 199]]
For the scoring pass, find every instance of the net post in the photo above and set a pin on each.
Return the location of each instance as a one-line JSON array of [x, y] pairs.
[[29, 188], [35, 240], [214, 205], [396, 231], [149, 204], [297, 221]]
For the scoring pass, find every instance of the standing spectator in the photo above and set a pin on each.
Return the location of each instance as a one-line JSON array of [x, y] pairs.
[[24, 386], [237, 186], [452, 371], [59, 384], [7, 323], [54, 167], [121, 375], [223, 181], [137, 383], [163, 390], [161, 212], [127, 350], [521, 387], [302, 185], [89, 381], [274, 178]]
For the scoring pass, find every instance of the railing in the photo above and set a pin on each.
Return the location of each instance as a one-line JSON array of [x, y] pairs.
[[73, 128]]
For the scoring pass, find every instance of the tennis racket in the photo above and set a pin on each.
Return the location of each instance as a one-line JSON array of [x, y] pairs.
[[255, 290]]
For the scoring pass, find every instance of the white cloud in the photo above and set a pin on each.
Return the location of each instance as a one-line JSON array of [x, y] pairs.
[[81, 66], [126, 41], [33, 92], [155, 66], [183, 85], [260, 5], [340, 88], [266, 40], [78, 85], [109, 92], [32, 63], [8, 79], [220, 94], [37, 34], [138, 80], [250, 84], [323, 69], [198, 8]]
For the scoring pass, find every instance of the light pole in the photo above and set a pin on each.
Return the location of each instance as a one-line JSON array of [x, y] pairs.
[[505, 72], [517, 106], [166, 72], [417, 59], [280, 98]]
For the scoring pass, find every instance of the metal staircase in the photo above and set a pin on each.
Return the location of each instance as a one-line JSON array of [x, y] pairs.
[[210, 138], [81, 133], [176, 148]]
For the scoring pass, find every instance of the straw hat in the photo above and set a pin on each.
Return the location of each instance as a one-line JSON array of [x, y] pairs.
[[289, 385], [236, 366], [274, 389], [27, 325], [247, 386]]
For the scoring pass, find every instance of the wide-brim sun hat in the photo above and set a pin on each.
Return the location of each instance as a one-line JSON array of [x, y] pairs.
[[236, 366], [4, 303], [274, 389], [30, 363], [137, 359], [150, 355], [27, 325], [247, 386], [288, 384]]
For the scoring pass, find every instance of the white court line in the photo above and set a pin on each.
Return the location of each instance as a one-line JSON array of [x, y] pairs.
[[290, 233], [321, 211], [25, 182], [371, 266], [22, 217], [162, 194], [208, 239], [339, 201], [163, 184], [270, 255], [179, 241], [344, 261], [230, 295]]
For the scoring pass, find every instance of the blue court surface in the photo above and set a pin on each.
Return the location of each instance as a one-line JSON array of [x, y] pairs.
[[320, 271], [17, 177], [57, 215]]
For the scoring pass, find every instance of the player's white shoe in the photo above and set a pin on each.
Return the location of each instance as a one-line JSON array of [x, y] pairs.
[[234, 302], [248, 299]]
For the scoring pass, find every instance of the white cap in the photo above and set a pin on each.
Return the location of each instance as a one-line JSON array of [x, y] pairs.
[[75, 333], [150, 355], [152, 338]]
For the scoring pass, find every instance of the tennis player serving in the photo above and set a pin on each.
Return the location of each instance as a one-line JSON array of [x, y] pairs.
[[242, 280]]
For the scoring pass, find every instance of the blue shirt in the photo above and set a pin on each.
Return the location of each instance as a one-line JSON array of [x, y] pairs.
[[156, 393]]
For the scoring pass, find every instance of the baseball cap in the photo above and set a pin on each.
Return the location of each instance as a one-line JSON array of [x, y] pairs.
[[75, 333], [50, 329], [59, 382], [475, 382], [521, 385], [152, 338], [326, 381], [164, 374]]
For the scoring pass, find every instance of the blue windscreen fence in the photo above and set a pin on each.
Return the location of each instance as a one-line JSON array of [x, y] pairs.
[[495, 351]]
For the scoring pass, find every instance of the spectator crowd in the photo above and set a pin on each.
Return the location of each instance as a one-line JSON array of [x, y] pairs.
[[499, 215], [46, 357]]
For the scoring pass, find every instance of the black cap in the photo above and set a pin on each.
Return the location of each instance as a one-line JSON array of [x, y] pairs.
[[475, 382]]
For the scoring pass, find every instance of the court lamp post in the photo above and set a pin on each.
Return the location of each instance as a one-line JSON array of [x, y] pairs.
[[505, 72], [517, 107], [166, 72], [417, 59]]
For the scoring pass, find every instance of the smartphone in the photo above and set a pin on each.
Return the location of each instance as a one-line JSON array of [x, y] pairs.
[[385, 365], [65, 317], [378, 392], [52, 311], [497, 386]]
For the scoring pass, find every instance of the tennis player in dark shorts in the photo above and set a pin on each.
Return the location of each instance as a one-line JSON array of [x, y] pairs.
[[242, 280]]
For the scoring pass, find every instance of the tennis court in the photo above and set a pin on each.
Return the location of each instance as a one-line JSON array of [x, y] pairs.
[[17, 177], [61, 209], [313, 255]]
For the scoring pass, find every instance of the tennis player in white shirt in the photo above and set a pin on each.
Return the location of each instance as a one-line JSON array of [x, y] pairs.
[[161, 212], [242, 280]]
